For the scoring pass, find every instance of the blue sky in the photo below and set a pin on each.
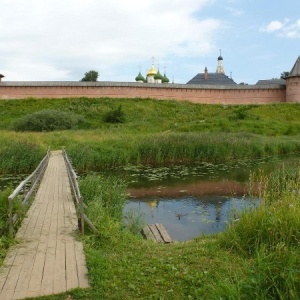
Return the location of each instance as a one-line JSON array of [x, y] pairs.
[[63, 39]]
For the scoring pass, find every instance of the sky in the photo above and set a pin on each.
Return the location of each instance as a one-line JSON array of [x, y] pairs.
[[61, 40]]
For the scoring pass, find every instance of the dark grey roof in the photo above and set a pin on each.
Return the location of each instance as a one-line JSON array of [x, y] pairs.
[[270, 81], [212, 79], [296, 68]]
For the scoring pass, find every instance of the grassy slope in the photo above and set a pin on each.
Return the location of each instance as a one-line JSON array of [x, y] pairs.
[[147, 116]]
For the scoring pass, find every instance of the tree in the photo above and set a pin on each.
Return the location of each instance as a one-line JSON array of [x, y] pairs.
[[284, 74], [90, 76]]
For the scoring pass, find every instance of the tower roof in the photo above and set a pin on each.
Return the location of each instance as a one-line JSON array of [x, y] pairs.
[[220, 56], [152, 71], [165, 79], [296, 68], [140, 77], [211, 79], [158, 76]]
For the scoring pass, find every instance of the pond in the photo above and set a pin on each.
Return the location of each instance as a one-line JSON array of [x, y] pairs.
[[193, 200], [189, 200]]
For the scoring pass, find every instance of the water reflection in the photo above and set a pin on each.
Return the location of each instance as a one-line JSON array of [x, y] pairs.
[[190, 216], [192, 200], [11, 181]]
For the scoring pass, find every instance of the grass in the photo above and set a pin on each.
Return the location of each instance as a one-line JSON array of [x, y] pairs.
[[256, 258], [18, 156], [95, 150], [269, 237], [153, 132], [146, 115]]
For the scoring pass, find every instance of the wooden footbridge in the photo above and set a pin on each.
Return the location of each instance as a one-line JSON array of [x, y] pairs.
[[48, 257]]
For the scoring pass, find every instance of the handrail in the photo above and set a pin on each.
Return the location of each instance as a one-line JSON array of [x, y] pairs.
[[79, 204], [34, 178]]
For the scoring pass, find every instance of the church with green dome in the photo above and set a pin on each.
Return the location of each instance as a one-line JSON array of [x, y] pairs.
[[152, 76]]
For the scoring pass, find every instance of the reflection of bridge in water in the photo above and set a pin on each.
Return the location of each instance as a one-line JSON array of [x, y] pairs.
[[48, 259]]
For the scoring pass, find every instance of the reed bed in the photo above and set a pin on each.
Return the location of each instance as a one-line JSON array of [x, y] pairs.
[[19, 157], [269, 236], [170, 147], [105, 198]]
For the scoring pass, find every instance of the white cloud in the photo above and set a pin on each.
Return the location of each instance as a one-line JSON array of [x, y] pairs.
[[284, 29], [235, 12], [52, 39], [274, 26], [292, 31]]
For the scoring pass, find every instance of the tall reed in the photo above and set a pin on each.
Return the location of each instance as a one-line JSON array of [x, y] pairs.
[[170, 147], [105, 198], [19, 157], [270, 235]]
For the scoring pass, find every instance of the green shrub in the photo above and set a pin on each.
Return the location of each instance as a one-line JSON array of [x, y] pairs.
[[48, 120], [115, 116]]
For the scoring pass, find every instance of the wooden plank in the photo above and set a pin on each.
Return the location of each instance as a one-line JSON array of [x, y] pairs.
[[164, 234], [71, 269], [148, 233], [156, 233], [13, 276], [22, 285], [81, 265]]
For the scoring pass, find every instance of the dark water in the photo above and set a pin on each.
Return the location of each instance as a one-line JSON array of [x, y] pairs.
[[187, 217], [194, 200]]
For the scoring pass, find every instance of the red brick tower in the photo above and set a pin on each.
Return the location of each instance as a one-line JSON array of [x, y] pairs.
[[293, 83]]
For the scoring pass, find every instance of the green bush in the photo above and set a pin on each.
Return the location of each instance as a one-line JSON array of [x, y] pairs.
[[48, 120], [115, 116]]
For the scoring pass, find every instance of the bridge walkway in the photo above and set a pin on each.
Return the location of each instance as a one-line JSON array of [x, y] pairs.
[[48, 258]]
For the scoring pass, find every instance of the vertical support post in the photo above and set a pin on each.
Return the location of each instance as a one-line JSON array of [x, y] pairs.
[[10, 217], [24, 191], [81, 214]]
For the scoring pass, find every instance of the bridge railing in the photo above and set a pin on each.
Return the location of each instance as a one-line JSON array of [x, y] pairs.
[[25, 189], [79, 204]]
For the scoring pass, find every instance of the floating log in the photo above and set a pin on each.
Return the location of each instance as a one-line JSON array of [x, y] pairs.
[[157, 233]]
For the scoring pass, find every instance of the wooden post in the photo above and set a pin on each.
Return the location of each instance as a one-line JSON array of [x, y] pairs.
[[24, 191], [81, 214], [10, 217]]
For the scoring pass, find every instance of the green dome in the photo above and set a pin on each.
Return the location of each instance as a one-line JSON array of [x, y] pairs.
[[158, 76], [165, 79], [140, 77]]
